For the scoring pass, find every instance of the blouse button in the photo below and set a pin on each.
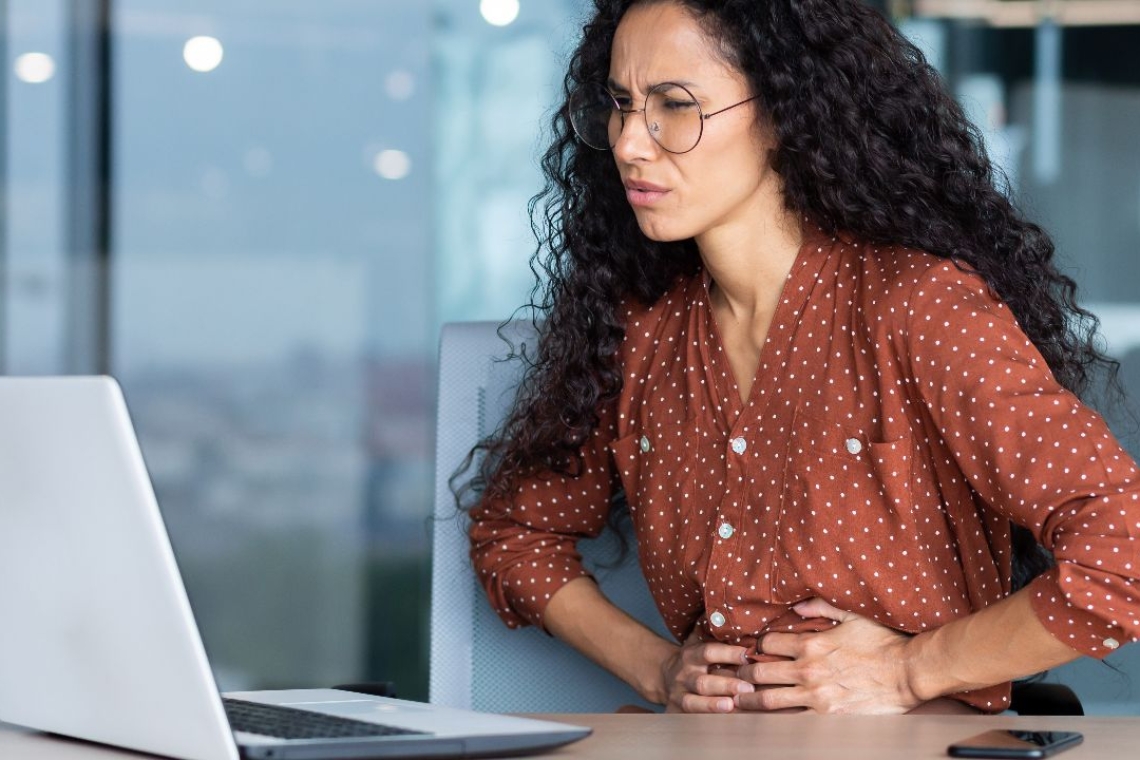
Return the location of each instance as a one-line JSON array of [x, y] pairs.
[[725, 531], [854, 446], [717, 619], [645, 445], [1111, 643], [739, 445]]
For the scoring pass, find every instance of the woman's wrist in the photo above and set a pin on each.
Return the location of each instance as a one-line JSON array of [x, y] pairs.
[[650, 678], [924, 670]]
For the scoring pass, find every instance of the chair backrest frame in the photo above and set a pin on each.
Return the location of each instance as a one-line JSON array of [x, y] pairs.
[[476, 661]]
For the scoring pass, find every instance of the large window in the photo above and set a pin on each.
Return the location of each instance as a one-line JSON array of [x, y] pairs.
[[297, 194], [273, 321]]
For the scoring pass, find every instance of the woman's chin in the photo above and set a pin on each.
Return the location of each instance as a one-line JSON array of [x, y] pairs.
[[660, 233]]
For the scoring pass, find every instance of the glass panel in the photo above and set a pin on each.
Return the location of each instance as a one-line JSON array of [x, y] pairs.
[[1056, 102], [496, 86], [273, 322]]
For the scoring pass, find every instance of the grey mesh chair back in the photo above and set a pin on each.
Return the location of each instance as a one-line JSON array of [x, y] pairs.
[[476, 661]]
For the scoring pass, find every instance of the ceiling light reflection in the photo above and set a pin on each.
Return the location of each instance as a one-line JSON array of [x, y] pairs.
[[35, 68], [203, 53], [499, 12], [400, 85], [392, 164]]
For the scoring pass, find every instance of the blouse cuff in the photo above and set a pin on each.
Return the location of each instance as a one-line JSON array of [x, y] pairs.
[[991, 699], [1051, 597], [528, 587]]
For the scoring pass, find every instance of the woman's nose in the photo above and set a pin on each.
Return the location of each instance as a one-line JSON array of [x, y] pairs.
[[635, 142]]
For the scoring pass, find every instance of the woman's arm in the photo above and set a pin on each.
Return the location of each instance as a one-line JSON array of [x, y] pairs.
[[581, 616], [660, 671], [524, 549], [525, 555], [1032, 453], [1002, 642], [524, 552]]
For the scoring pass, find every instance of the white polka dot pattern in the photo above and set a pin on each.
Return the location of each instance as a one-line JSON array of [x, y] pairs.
[[898, 420]]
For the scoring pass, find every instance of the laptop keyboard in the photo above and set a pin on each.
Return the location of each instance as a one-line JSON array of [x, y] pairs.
[[290, 723]]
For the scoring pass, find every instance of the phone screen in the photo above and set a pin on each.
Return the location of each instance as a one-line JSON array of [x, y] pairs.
[[1016, 744]]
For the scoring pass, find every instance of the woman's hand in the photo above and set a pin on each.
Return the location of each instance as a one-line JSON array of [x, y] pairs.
[[701, 677], [859, 666]]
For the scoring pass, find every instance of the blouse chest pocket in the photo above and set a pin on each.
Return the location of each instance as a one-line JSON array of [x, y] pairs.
[[816, 441], [661, 464], [847, 501]]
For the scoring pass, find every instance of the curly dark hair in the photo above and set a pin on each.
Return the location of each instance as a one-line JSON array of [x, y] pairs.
[[869, 142]]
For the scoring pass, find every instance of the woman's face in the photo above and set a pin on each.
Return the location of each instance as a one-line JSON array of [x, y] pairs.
[[725, 182]]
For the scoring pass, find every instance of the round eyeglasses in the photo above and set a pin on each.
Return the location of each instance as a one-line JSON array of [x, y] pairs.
[[672, 115]]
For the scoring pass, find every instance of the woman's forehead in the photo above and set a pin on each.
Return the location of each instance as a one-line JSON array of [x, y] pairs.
[[662, 42]]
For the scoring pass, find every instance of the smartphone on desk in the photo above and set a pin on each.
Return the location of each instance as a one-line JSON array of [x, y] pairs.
[[1016, 744]]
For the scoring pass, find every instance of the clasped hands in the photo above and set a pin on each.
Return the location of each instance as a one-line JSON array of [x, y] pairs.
[[857, 666]]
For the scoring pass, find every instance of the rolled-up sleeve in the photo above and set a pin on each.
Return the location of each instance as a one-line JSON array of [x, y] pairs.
[[525, 550], [1034, 454]]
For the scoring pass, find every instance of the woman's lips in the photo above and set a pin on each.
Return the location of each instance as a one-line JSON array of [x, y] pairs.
[[643, 193]]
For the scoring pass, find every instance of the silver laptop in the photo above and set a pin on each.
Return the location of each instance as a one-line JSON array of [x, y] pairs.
[[97, 638]]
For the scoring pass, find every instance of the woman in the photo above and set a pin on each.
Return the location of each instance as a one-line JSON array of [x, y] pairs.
[[787, 314]]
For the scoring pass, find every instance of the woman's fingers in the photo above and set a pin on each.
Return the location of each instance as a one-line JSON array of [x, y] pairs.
[[781, 644], [818, 608], [695, 703], [715, 653], [783, 673], [857, 666], [702, 677], [708, 685], [774, 699]]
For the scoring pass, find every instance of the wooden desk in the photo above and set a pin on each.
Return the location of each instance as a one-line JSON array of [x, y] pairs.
[[816, 737], [732, 737]]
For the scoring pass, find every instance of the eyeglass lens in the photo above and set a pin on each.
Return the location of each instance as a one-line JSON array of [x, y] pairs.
[[671, 114]]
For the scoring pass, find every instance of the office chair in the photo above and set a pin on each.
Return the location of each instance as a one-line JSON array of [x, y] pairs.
[[476, 661], [1039, 698]]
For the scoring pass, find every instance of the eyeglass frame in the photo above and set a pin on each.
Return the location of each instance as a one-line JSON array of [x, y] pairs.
[[617, 106]]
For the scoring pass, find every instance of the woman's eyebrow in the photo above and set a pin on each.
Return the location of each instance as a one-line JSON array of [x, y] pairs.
[[613, 86]]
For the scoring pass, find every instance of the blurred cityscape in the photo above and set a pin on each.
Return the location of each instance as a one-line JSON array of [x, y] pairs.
[[297, 497]]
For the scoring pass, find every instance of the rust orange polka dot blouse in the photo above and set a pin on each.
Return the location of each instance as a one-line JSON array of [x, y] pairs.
[[898, 421]]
